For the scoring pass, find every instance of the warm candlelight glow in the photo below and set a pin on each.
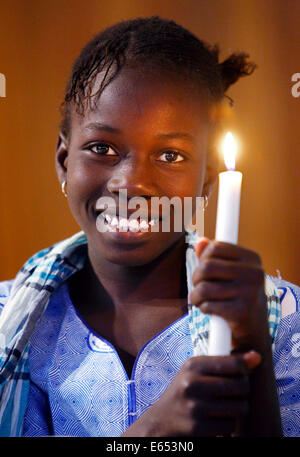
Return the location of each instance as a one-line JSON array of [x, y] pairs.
[[227, 230], [229, 151]]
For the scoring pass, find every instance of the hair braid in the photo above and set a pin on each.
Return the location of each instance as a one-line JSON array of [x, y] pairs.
[[150, 41]]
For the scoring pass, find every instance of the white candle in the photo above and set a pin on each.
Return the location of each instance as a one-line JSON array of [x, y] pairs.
[[227, 228]]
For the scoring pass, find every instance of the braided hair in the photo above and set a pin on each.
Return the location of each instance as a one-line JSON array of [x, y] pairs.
[[153, 42]]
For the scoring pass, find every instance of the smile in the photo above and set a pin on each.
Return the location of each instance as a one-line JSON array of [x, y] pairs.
[[116, 223]]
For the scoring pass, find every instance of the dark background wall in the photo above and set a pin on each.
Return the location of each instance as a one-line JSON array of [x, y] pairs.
[[39, 40]]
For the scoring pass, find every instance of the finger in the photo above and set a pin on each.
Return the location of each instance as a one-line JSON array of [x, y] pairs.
[[200, 245], [227, 251], [230, 310], [212, 269], [229, 365], [220, 269], [214, 290], [217, 387], [214, 427], [222, 408]]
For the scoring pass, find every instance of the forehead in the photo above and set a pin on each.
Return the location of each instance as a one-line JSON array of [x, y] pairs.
[[144, 99]]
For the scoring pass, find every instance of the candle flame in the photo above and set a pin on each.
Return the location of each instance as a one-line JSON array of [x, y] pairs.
[[229, 150]]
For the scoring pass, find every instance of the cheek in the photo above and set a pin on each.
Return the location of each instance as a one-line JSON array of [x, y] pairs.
[[197, 176], [188, 188], [85, 184], [194, 189], [79, 176], [190, 183]]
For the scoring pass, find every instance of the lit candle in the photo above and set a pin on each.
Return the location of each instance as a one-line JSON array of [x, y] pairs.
[[227, 228]]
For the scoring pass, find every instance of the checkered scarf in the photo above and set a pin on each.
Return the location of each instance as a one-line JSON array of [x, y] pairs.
[[32, 288]]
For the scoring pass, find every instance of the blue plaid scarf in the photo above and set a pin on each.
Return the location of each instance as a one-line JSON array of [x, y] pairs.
[[32, 288]]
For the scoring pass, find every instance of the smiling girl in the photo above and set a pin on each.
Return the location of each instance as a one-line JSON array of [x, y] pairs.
[[105, 333]]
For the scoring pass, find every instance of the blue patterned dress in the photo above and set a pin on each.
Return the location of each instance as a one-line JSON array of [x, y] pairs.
[[78, 385]]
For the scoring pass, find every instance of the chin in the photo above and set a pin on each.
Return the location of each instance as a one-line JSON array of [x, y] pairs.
[[120, 249]]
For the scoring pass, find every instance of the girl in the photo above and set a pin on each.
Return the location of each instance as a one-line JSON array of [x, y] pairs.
[[105, 333]]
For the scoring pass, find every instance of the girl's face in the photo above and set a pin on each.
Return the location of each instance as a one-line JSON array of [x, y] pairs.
[[149, 135]]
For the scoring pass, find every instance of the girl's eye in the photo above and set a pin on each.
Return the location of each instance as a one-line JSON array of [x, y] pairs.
[[171, 157], [102, 149]]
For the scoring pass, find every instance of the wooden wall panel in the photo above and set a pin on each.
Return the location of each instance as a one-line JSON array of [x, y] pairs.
[[39, 40]]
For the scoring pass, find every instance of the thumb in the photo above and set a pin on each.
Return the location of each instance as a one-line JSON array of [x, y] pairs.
[[201, 245]]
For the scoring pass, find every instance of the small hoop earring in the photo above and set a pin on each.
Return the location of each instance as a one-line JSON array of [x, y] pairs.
[[63, 188], [205, 202]]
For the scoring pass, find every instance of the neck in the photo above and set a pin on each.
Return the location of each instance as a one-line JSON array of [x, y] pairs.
[[163, 278]]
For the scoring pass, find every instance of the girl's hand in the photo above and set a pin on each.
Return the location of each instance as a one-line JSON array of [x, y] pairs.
[[213, 396], [229, 282], [208, 397]]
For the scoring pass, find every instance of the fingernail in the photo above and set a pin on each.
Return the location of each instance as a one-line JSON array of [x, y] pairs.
[[202, 238], [202, 241], [201, 244]]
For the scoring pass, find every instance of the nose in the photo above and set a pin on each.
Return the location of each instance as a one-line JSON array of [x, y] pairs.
[[135, 177]]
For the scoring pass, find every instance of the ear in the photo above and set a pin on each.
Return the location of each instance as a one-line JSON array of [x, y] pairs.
[[61, 157]]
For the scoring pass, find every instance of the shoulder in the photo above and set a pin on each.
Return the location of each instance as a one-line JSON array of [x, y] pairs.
[[68, 254], [5, 288], [287, 342], [286, 356], [289, 296]]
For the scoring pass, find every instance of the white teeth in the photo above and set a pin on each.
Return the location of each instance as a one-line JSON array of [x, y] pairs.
[[144, 225], [125, 224], [134, 226], [114, 221]]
